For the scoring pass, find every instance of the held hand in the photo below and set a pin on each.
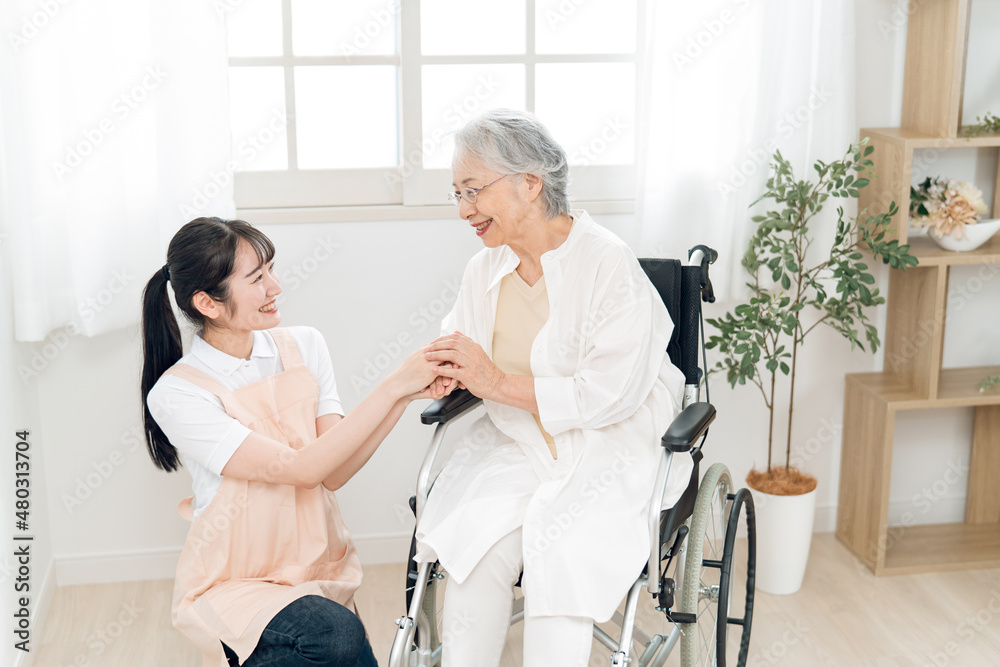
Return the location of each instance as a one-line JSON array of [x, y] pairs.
[[433, 391], [439, 388], [467, 363], [450, 384], [415, 376]]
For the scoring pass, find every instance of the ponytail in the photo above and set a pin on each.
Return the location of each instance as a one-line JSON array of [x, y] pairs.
[[201, 257], [161, 343]]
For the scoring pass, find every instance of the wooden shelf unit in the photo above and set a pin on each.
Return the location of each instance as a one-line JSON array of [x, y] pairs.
[[913, 377], [893, 159]]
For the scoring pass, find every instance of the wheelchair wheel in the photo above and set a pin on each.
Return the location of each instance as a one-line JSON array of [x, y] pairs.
[[729, 600], [700, 590], [711, 570]]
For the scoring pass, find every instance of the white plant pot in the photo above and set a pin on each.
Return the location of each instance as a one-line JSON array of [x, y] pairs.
[[784, 533]]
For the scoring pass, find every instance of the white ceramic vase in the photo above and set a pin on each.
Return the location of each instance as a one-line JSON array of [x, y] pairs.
[[784, 533], [975, 236]]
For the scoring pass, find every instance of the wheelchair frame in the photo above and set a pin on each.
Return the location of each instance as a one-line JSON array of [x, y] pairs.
[[682, 528]]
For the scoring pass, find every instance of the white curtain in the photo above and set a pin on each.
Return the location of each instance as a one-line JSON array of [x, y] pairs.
[[114, 131], [727, 83]]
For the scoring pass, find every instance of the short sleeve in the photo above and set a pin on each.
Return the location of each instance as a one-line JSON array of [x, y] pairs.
[[195, 422], [316, 356]]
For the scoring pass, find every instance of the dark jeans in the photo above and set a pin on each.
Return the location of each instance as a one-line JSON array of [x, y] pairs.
[[311, 632]]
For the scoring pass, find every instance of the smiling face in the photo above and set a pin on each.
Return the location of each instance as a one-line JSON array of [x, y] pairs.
[[253, 289], [500, 211]]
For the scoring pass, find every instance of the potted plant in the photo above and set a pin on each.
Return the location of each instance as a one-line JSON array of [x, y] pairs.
[[794, 287]]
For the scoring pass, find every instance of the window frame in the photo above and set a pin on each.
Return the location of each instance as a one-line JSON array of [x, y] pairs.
[[409, 189]]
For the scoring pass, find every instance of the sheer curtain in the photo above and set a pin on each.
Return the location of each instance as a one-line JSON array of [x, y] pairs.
[[727, 83], [114, 131]]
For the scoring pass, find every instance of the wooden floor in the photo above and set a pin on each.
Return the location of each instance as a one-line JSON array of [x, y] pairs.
[[843, 616]]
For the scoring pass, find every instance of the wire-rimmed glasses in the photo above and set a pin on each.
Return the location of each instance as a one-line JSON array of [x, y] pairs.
[[470, 194]]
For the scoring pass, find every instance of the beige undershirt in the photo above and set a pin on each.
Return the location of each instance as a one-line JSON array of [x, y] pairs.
[[521, 311]]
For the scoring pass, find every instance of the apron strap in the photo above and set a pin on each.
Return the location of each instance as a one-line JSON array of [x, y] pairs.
[[199, 379], [288, 350]]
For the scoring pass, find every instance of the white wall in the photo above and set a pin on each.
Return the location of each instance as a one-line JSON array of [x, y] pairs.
[[383, 280], [19, 411]]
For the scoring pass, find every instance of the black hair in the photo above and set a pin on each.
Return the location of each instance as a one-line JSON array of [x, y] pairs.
[[200, 258]]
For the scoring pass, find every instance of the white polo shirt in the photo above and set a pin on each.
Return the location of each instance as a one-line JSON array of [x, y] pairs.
[[195, 421]]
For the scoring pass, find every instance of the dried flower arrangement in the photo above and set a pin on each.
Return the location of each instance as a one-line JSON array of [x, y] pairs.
[[945, 206]]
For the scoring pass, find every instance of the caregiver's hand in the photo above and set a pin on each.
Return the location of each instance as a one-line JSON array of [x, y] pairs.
[[467, 363], [433, 391], [450, 384], [415, 378], [439, 388]]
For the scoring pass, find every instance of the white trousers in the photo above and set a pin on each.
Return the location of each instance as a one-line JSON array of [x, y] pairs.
[[477, 617]]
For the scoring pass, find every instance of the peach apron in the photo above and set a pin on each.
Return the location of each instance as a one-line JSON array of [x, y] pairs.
[[259, 546]]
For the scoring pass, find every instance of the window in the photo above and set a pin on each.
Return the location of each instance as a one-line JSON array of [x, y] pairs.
[[356, 103]]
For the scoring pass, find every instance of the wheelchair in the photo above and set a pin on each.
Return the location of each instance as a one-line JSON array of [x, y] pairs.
[[692, 572]]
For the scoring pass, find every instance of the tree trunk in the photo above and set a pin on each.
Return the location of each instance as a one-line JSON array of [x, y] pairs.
[[791, 401], [770, 426]]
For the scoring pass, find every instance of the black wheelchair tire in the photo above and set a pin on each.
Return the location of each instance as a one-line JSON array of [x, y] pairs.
[[742, 503]]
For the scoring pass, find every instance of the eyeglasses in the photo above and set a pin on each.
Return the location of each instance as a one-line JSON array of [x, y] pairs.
[[469, 194]]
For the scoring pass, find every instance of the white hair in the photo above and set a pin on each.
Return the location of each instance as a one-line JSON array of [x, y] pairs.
[[509, 141]]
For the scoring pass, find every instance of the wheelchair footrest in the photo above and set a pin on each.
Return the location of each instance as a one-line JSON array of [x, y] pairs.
[[683, 618]]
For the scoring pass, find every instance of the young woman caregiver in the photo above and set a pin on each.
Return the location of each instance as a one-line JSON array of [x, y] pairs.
[[268, 571]]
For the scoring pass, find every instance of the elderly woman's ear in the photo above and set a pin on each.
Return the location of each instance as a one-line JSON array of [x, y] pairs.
[[530, 187]]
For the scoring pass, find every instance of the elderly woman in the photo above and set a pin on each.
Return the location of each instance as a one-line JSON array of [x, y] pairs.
[[559, 331]]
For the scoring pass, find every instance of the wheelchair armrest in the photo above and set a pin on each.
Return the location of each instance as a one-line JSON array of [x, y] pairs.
[[688, 426], [452, 406]]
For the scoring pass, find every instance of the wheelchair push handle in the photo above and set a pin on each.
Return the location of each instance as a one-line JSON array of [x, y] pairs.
[[702, 256]]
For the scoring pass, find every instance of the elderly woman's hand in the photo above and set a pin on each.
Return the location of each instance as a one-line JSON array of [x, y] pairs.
[[465, 362], [442, 386]]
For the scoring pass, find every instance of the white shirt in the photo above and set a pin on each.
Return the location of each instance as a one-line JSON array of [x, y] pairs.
[[606, 391], [195, 421]]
